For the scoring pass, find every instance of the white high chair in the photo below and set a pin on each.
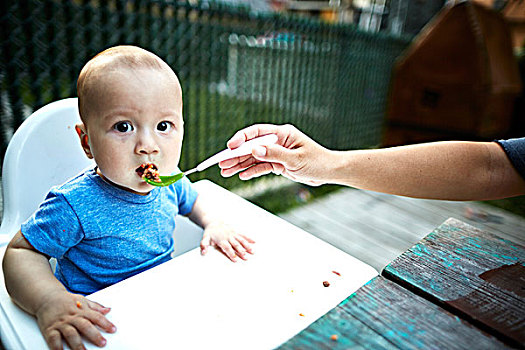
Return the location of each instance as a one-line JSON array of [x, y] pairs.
[[45, 151]]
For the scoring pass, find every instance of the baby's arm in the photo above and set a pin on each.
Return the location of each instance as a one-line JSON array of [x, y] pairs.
[[217, 233], [60, 314]]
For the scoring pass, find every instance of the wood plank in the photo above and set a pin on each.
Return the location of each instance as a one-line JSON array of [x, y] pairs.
[[351, 241], [475, 274], [364, 245], [480, 215], [383, 315], [376, 227], [315, 214], [392, 225], [366, 211], [489, 218]]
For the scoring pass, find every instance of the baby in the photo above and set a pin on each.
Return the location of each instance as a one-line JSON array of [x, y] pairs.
[[108, 224]]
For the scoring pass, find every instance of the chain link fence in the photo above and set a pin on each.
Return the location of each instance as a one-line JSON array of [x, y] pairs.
[[236, 68]]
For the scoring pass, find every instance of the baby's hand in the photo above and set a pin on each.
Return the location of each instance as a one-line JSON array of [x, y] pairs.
[[224, 237], [67, 316]]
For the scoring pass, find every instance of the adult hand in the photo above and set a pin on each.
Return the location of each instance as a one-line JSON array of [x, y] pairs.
[[294, 156], [69, 317]]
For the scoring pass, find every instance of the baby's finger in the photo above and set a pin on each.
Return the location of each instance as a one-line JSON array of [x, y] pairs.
[[71, 336], [205, 243], [53, 339], [93, 305], [101, 321], [247, 238], [227, 249], [238, 247], [89, 331], [246, 243]]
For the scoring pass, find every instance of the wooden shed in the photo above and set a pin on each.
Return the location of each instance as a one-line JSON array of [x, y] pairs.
[[458, 79]]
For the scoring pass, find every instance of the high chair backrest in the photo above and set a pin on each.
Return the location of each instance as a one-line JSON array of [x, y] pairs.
[[44, 151]]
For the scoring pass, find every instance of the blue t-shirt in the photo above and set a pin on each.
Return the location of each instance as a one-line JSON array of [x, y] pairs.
[[101, 234], [515, 150]]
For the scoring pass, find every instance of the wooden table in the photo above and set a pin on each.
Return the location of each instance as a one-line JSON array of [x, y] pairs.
[[458, 288]]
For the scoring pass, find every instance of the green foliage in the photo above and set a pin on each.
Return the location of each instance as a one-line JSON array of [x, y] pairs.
[[292, 196]]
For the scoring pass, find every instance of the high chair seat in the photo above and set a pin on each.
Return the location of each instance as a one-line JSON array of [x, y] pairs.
[[43, 152]]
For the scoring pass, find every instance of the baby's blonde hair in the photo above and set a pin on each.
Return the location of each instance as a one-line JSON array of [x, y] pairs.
[[123, 56]]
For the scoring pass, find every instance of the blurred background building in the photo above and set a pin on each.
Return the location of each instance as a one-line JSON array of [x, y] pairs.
[[459, 78], [395, 16]]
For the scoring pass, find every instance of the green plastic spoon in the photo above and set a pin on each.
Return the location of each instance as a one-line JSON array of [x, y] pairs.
[[165, 180], [244, 149]]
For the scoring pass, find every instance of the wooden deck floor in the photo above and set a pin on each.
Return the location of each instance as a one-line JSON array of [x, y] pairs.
[[376, 228]]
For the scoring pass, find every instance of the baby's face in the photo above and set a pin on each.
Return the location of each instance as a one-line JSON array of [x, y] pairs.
[[135, 118]]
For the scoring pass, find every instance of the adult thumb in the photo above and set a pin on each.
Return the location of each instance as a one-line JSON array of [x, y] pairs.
[[273, 153]]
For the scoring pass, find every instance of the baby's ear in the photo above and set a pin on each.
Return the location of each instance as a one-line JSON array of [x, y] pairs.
[[84, 139]]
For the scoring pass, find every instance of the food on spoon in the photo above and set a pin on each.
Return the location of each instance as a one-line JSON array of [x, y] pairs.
[[148, 171]]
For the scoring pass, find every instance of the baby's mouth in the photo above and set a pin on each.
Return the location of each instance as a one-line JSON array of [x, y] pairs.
[[148, 171]]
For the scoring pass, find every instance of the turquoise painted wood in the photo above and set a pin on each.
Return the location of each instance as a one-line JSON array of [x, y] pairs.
[[384, 315], [474, 274]]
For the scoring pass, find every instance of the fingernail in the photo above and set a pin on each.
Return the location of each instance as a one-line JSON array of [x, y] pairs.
[[259, 151]]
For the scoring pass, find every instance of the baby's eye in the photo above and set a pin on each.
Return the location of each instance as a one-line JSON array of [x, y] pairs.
[[123, 127], [164, 126]]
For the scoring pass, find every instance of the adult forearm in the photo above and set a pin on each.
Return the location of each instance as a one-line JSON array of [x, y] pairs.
[[440, 170], [29, 278]]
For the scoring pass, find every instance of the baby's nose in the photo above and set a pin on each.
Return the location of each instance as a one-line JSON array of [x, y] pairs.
[[147, 145]]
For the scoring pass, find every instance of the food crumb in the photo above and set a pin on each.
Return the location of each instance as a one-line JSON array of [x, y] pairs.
[[334, 337], [337, 273], [79, 304], [326, 283], [301, 314]]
